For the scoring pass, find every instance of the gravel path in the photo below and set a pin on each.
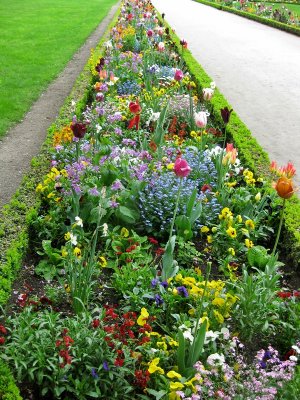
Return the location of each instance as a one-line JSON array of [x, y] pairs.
[[24, 140], [256, 67]]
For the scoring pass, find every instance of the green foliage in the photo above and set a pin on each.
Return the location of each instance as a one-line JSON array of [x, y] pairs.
[[291, 390], [8, 388]]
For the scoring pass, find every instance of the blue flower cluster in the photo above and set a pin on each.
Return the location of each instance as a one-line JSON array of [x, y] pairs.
[[128, 87], [157, 200], [164, 72]]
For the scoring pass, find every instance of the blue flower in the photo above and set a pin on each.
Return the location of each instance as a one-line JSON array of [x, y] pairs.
[[183, 291], [94, 374]]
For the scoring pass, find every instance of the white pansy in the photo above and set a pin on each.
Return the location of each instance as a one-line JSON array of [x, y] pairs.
[[78, 221], [73, 239]]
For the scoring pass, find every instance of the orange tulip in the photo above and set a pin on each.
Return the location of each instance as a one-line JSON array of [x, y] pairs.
[[284, 187]]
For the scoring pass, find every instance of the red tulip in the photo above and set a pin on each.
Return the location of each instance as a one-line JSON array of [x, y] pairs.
[[79, 129], [225, 114]]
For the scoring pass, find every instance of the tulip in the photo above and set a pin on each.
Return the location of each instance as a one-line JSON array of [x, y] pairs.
[[183, 43], [207, 94], [200, 119], [161, 46], [225, 114], [79, 129], [284, 187], [136, 109], [181, 168], [150, 33], [178, 75]]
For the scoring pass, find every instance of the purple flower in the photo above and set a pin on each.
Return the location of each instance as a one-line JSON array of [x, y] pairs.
[[94, 192], [164, 284], [183, 291], [154, 282], [118, 131], [105, 366], [94, 374], [114, 204], [158, 300], [116, 185]]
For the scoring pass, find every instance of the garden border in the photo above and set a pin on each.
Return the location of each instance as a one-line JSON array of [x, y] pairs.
[[274, 24], [24, 205], [250, 152], [17, 215]]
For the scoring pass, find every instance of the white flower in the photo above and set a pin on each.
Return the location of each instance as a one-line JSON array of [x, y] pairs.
[[296, 348], [108, 45], [105, 229], [211, 336], [213, 85], [98, 128], [293, 358], [73, 239], [225, 333], [216, 359], [78, 221]]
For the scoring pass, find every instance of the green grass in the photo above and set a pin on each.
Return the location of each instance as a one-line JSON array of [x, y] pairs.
[[37, 39]]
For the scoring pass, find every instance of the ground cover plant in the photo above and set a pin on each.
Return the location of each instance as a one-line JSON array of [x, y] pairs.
[[157, 247], [35, 46]]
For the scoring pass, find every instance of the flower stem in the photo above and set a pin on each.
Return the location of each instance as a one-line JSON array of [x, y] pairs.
[[279, 228], [176, 208]]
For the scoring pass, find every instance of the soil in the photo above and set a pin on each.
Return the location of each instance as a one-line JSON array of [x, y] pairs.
[[24, 140]]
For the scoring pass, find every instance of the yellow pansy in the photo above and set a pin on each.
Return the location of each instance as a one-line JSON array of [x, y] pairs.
[[77, 252], [231, 232], [231, 251], [248, 243], [67, 236], [218, 301], [209, 239], [250, 224], [176, 386], [102, 261], [205, 229], [124, 232], [239, 219], [142, 319], [153, 367], [173, 374]]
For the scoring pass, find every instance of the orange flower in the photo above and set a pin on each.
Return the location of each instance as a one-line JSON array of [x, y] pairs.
[[284, 187]]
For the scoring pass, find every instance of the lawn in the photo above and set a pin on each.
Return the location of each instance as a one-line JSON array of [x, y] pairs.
[[37, 39]]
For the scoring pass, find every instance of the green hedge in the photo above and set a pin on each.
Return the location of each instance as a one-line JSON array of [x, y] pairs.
[[250, 152], [17, 215], [274, 24]]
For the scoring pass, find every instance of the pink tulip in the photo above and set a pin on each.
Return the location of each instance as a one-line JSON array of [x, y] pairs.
[[178, 75], [181, 168], [161, 46], [150, 33], [200, 119]]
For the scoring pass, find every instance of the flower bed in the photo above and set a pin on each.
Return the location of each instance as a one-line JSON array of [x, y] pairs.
[[158, 247], [279, 18]]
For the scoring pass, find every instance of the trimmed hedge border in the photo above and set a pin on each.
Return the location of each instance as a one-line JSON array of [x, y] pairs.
[[250, 152], [16, 216], [257, 18]]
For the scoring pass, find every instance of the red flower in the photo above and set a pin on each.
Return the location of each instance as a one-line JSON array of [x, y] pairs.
[[152, 240], [119, 362], [225, 114], [206, 187], [68, 340], [3, 330], [134, 108], [141, 378], [79, 129], [284, 295], [95, 323], [181, 168], [58, 343], [2, 340]]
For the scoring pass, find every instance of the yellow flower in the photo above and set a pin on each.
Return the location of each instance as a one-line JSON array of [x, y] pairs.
[[248, 243], [124, 232], [67, 236], [219, 317], [40, 188], [178, 278], [170, 166], [214, 229], [175, 291], [218, 301], [239, 219], [77, 252], [176, 386], [257, 196], [173, 343], [162, 345], [231, 232], [173, 374], [67, 288], [102, 261], [250, 224], [142, 319], [225, 213], [64, 252], [209, 239], [190, 383], [231, 251], [204, 229], [203, 319], [245, 232], [153, 367]]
